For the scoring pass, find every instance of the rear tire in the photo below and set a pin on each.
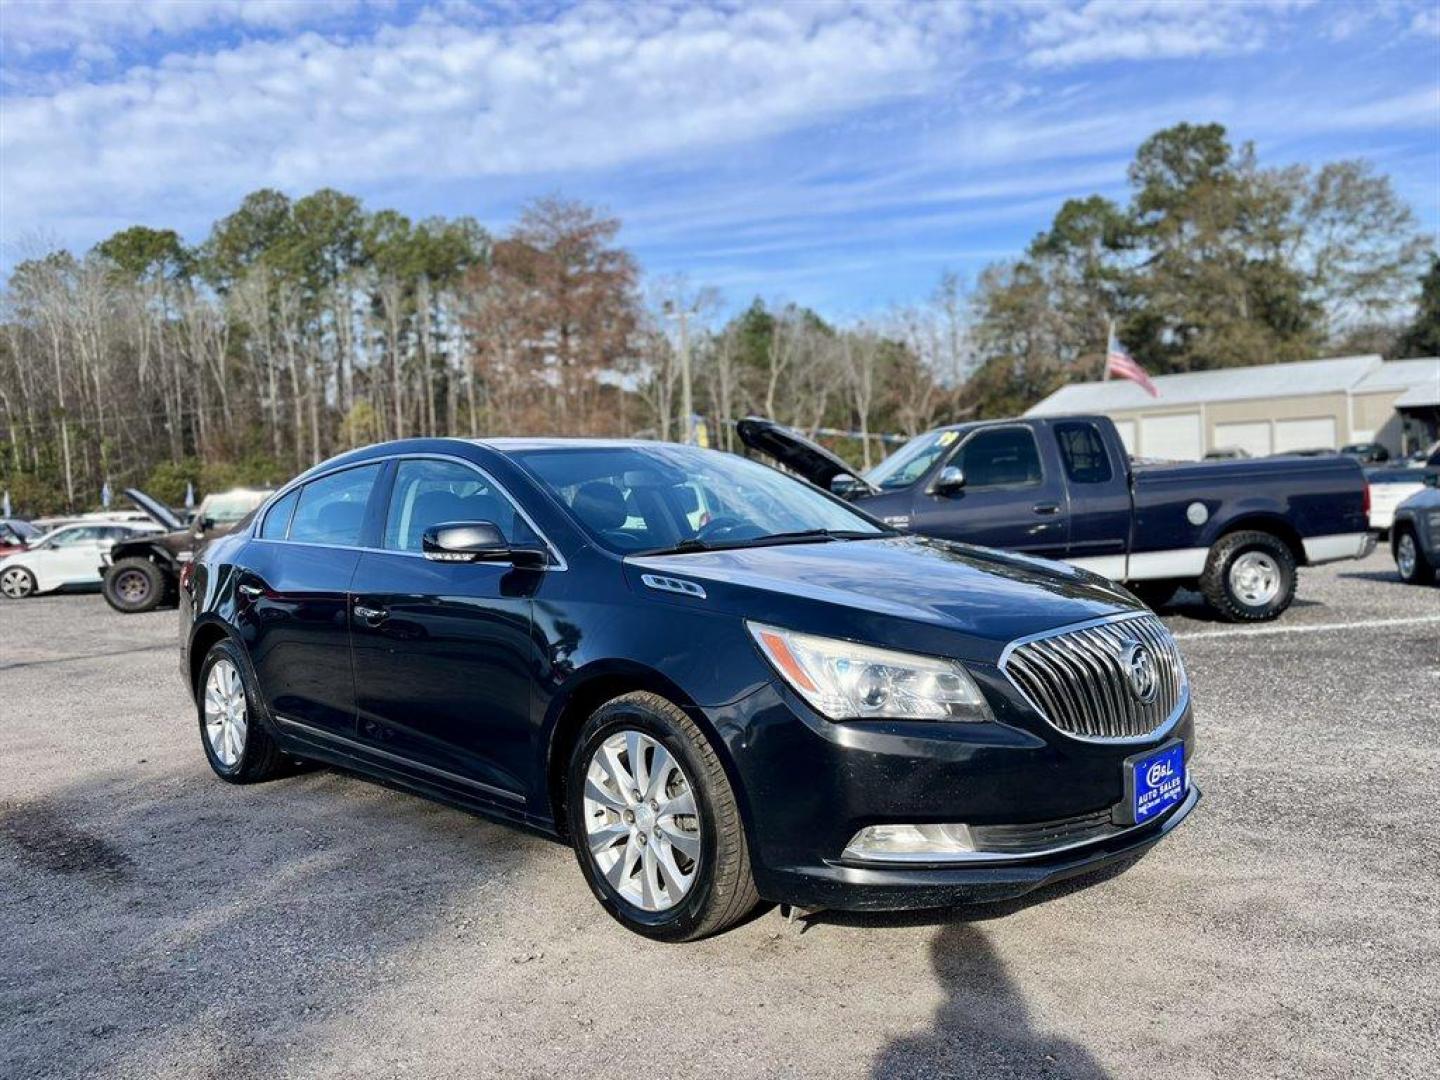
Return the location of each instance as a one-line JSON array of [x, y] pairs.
[[237, 744], [134, 585], [1410, 559], [1249, 577], [688, 897], [17, 583]]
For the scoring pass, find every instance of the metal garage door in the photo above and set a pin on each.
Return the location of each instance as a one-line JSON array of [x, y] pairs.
[[1126, 430], [1315, 434], [1171, 438], [1252, 436]]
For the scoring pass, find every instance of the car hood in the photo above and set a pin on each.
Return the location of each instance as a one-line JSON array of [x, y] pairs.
[[158, 512], [979, 592], [797, 453], [1429, 498]]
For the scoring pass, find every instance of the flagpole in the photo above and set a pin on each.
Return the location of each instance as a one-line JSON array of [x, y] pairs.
[[1109, 340]]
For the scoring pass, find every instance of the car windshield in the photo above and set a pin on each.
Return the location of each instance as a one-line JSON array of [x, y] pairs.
[[911, 461], [649, 499], [232, 506]]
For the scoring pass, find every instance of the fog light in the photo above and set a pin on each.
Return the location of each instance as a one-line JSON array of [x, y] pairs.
[[910, 842]]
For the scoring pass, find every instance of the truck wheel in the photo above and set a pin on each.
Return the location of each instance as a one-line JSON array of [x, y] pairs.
[[1410, 560], [1154, 594], [1249, 577], [133, 585]]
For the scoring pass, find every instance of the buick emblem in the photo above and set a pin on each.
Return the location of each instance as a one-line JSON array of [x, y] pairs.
[[1138, 663]]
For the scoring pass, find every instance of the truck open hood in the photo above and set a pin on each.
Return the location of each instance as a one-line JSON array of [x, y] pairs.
[[157, 511], [797, 453]]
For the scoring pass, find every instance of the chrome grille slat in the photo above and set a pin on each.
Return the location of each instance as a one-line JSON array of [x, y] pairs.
[[1075, 678]]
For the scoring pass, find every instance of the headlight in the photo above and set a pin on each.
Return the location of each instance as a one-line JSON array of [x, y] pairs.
[[846, 681]]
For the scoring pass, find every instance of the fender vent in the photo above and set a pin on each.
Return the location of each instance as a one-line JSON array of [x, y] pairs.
[[675, 585]]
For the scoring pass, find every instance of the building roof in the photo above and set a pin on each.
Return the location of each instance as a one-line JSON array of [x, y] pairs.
[[1333, 376], [1402, 375]]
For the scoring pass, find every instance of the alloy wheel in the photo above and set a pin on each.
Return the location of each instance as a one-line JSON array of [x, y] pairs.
[[225, 719], [1405, 554], [1255, 578], [641, 820], [16, 583]]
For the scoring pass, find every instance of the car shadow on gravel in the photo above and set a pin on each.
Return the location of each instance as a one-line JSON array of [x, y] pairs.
[[183, 927], [983, 1028]]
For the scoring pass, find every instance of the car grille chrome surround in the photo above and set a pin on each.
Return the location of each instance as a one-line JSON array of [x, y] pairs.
[[1076, 677]]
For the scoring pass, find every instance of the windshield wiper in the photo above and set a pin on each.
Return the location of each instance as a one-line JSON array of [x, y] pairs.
[[802, 536]]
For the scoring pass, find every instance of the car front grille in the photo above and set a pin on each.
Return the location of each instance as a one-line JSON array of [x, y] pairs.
[[1079, 681]]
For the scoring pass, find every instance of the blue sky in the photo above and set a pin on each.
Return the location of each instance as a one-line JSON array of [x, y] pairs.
[[839, 155]]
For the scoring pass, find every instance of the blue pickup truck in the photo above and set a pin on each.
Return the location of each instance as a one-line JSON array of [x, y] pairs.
[[1065, 488]]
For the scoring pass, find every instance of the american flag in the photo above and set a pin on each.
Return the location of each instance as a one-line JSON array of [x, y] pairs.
[[1121, 364]]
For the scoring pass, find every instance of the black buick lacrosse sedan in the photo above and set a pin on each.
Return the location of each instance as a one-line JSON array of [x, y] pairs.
[[720, 684]]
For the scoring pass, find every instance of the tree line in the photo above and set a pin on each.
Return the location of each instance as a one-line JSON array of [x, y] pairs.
[[301, 327]]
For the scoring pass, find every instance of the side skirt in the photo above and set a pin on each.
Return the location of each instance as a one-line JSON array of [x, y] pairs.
[[311, 743]]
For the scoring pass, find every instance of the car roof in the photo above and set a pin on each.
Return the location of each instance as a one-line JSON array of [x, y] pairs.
[[513, 443]]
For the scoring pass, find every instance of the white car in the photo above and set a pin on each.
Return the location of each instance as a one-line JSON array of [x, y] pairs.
[[71, 555], [1389, 487]]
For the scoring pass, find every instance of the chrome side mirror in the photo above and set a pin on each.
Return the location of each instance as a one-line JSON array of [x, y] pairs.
[[475, 541], [950, 480], [844, 485]]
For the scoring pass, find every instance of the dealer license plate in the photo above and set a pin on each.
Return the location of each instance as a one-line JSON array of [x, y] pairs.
[[1156, 781]]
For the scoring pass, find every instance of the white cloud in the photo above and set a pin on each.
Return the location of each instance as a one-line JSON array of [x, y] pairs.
[[44, 26], [596, 87], [1104, 30]]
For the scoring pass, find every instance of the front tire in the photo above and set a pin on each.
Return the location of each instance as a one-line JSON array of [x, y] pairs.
[[1410, 559], [17, 583], [133, 585], [655, 824], [237, 744], [1249, 577]]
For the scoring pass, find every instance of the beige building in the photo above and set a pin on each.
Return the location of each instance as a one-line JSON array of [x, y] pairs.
[[1271, 409]]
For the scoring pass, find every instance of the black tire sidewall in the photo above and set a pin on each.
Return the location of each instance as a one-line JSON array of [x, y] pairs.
[[1270, 545], [1424, 572], [254, 732], [136, 565], [677, 923]]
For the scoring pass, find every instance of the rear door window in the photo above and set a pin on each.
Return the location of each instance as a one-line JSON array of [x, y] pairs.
[[1083, 452], [331, 510], [277, 518]]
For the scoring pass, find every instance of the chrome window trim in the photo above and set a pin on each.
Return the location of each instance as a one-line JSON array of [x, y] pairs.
[[1161, 732], [557, 565]]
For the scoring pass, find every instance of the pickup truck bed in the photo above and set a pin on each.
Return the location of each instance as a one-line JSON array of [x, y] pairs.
[[1064, 488]]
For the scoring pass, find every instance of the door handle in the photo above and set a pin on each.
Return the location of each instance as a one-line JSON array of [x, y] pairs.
[[373, 616], [251, 592], [1046, 508]]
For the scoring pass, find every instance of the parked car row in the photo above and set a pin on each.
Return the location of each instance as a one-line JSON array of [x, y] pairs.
[[134, 555]]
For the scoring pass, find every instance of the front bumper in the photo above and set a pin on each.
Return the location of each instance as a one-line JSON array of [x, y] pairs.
[[808, 785], [853, 887]]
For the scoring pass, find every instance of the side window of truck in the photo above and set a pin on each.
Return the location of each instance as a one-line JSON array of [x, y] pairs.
[[1083, 452], [1004, 457]]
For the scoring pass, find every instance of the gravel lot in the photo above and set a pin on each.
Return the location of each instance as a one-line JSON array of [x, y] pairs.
[[159, 923]]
